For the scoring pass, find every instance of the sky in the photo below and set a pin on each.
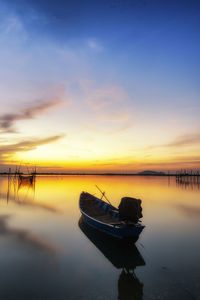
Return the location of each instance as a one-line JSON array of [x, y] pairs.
[[100, 86]]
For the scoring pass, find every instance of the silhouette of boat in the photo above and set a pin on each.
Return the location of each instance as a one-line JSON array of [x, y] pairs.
[[105, 217], [123, 256]]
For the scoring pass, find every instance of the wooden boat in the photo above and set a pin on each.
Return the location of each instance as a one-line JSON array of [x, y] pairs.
[[105, 217]]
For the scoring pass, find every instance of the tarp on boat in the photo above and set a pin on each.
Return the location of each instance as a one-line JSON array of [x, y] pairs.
[[130, 209]]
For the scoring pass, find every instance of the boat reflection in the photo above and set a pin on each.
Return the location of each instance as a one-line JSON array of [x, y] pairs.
[[129, 287], [123, 256], [24, 185], [26, 181], [22, 193]]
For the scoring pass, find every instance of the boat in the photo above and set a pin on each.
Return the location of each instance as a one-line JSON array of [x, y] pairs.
[[106, 218]]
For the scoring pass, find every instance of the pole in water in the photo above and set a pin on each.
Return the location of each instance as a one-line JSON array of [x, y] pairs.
[[103, 194]]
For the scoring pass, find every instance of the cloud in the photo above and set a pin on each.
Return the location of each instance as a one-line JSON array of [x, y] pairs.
[[185, 140], [8, 120], [98, 98], [6, 163], [11, 23], [94, 45], [108, 130], [110, 107], [116, 116], [173, 164], [129, 164], [181, 141], [27, 145]]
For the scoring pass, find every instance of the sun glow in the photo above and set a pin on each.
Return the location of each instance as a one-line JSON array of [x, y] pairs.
[[82, 103]]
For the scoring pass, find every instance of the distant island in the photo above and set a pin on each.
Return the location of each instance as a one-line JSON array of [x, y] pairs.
[[151, 173]]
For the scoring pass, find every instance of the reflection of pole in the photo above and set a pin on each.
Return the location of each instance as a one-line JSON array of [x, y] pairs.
[[168, 178], [34, 179], [129, 286], [8, 191]]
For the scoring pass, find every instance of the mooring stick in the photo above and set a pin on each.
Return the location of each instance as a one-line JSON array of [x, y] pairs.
[[103, 194]]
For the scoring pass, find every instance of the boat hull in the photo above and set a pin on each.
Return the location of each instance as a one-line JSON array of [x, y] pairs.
[[120, 254], [120, 232]]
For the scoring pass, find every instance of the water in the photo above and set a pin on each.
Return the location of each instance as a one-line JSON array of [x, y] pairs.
[[47, 252]]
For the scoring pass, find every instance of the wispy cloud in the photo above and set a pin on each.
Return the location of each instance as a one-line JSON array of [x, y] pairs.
[[98, 98], [172, 164], [7, 121], [185, 140], [94, 45], [27, 145], [117, 128], [110, 107], [181, 141], [116, 116], [129, 163]]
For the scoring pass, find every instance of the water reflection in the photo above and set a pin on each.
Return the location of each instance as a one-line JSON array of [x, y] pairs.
[[24, 236], [45, 255], [188, 184], [17, 184], [28, 182], [129, 287], [21, 191], [122, 256], [189, 210]]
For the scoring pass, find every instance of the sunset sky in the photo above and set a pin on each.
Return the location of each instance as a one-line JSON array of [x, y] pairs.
[[97, 86]]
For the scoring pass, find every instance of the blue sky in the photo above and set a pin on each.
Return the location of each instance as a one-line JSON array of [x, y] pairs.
[[124, 73]]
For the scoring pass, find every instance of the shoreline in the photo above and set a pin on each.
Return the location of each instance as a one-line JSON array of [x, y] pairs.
[[96, 174]]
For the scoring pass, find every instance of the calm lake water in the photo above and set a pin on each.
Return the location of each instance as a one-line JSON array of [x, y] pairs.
[[47, 252]]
